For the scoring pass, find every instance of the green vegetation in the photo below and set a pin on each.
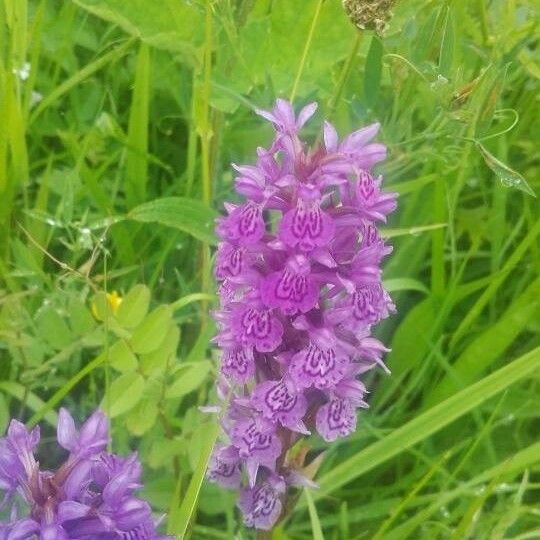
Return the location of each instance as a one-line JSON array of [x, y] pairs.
[[118, 123]]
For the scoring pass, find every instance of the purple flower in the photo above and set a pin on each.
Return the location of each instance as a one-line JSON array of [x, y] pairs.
[[261, 504], [89, 497], [337, 418], [258, 327], [224, 467], [317, 366], [292, 289], [299, 266]]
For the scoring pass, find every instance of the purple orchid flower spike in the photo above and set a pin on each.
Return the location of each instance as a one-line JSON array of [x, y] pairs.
[[299, 266], [89, 497]]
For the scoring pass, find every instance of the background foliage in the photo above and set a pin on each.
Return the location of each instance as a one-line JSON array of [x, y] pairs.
[[118, 124]]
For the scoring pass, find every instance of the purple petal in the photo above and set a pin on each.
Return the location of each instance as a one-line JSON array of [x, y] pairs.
[[66, 432], [306, 113]]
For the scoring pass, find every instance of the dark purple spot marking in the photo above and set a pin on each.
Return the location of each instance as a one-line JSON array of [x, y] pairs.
[[264, 501], [370, 236], [291, 286], [255, 440], [225, 469], [363, 302], [279, 399], [307, 222], [319, 362], [237, 360], [257, 323], [250, 220], [338, 417], [234, 262], [366, 187]]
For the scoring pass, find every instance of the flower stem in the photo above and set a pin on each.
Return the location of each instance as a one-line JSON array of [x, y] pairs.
[[306, 49], [344, 75]]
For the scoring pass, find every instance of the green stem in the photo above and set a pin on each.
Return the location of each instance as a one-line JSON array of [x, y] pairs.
[[345, 72], [306, 50]]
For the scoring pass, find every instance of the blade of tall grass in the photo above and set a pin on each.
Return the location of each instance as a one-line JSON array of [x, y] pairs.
[[428, 423], [180, 517], [81, 75], [491, 344], [410, 496], [57, 397], [515, 464], [305, 52], [30, 399], [316, 529], [497, 281], [393, 233], [137, 138]]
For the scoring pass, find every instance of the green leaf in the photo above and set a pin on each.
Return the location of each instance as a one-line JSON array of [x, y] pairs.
[[162, 450], [80, 318], [372, 74], [497, 279], [187, 215], [507, 468], [170, 25], [188, 378], [431, 421], [405, 284], [492, 87], [507, 176], [142, 417], [446, 55], [157, 360], [121, 357], [133, 307], [77, 78], [101, 308], [149, 335], [46, 409], [53, 328], [124, 393], [137, 139]]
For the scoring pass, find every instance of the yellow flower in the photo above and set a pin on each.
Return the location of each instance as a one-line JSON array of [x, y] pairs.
[[113, 299]]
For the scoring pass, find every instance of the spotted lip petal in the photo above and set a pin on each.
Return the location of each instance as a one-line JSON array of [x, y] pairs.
[[318, 367], [258, 328], [291, 290], [337, 418], [307, 226]]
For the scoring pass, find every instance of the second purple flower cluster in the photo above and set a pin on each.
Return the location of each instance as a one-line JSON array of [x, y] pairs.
[[89, 497], [299, 266]]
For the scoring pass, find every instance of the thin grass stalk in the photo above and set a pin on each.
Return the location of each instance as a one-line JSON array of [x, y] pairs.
[[306, 50]]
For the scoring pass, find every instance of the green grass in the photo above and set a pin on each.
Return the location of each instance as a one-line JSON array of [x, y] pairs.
[[115, 159]]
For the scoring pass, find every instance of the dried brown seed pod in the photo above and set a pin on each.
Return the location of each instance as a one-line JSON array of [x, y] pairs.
[[369, 14]]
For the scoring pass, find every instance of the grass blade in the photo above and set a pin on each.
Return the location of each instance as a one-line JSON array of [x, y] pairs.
[[137, 139], [428, 423], [316, 529], [179, 518], [80, 76], [481, 303]]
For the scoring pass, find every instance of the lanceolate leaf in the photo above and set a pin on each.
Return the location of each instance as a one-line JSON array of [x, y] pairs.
[[507, 176], [182, 213]]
